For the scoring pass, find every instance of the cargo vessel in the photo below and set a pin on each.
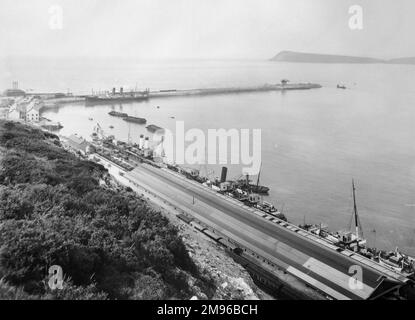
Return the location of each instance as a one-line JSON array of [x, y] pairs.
[[135, 119], [121, 96], [112, 99], [118, 114], [246, 185], [397, 261]]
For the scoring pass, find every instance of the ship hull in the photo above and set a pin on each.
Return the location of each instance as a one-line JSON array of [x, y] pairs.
[[135, 120], [254, 188], [389, 264], [118, 114], [153, 128], [98, 100]]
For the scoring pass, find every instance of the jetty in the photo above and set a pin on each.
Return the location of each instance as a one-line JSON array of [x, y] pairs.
[[231, 90], [113, 96]]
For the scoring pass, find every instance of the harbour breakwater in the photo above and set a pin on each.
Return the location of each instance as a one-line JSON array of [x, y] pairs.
[[211, 91], [104, 97]]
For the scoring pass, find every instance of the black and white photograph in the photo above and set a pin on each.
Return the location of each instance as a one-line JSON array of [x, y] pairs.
[[207, 155]]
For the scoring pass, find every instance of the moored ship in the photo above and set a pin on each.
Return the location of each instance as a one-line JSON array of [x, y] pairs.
[[246, 185], [118, 114], [154, 128], [135, 119], [121, 96], [397, 261]]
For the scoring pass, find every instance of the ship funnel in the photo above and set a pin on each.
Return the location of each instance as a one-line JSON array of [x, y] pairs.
[[121, 90], [223, 175], [113, 90], [146, 143], [141, 142]]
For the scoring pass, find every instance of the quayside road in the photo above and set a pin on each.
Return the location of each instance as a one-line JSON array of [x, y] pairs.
[[309, 261]]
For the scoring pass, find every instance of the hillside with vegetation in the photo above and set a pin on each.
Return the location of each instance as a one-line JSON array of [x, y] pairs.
[[56, 209]]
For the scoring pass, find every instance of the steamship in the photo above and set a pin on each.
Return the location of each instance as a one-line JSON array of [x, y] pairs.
[[246, 185], [121, 96]]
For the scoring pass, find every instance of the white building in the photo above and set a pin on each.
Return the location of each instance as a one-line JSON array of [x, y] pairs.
[[23, 108], [32, 112]]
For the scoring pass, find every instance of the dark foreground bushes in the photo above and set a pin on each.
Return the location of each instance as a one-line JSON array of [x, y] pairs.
[[55, 211]]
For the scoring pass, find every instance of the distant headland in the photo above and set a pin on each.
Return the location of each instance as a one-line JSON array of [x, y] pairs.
[[292, 56]]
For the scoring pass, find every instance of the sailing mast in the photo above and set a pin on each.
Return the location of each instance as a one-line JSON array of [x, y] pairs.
[[356, 216], [259, 174]]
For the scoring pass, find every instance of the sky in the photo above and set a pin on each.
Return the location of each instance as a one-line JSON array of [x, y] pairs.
[[204, 29]]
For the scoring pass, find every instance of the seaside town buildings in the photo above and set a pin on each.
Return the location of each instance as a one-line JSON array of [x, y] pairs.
[[21, 108]]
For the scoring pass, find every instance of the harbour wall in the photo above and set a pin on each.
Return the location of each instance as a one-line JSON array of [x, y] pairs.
[[51, 99]]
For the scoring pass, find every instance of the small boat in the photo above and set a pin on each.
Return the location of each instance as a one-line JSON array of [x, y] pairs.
[[267, 207], [111, 127], [172, 118], [341, 86], [154, 128], [90, 119]]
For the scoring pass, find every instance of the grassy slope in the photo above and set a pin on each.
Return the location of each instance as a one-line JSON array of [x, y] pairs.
[[56, 209]]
